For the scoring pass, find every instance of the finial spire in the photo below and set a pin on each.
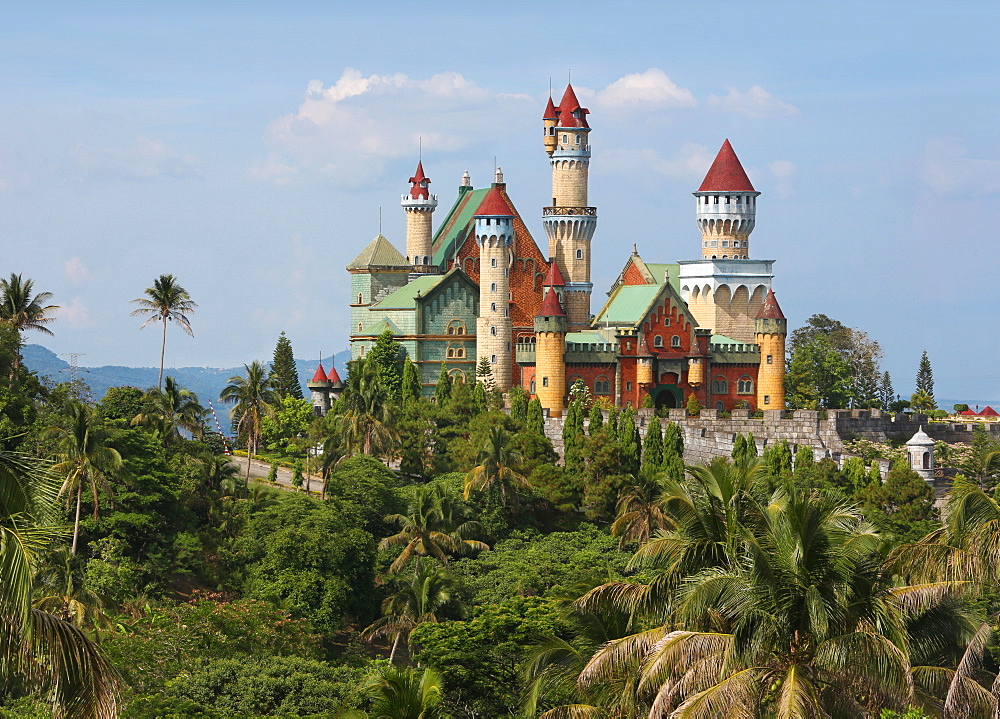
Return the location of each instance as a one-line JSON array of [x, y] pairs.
[[466, 179], [498, 176], [380, 220]]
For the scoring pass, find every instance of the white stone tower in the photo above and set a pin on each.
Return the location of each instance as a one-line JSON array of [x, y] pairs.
[[920, 453], [726, 209], [419, 205], [569, 222], [495, 237]]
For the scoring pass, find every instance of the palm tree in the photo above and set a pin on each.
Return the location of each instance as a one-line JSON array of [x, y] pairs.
[[253, 399], [495, 469], [166, 301], [23, 310], [83, 459], [405, 693], [38, 649], [430, 590], [60, 591], [432, 527], [172, 409], [368, 418], [641, 510]]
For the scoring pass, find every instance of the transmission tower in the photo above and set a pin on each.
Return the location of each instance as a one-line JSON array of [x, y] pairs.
[[74, 368]]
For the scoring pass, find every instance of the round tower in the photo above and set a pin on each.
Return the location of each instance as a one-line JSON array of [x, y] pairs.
[[569, 222], [644, 363], [920, 453], [770, 330], [419, 205], [319, 389], [495, 237], [550, 345], [726, 208]]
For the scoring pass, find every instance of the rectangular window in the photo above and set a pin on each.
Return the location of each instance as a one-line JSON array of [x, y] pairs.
[[716, 200], [545, 381], [493, 359], [767, 399], [727, 199], [725, 243], [770, 359], [666, 321], [628, 386], [493, 262]]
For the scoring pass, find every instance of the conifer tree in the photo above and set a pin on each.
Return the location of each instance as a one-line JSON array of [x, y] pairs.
[[652, 453], [886, 393], [573, 437], [673, 452], [442, 392], [536, 417], [612, 423], [628, 437], [804, 458], [411, 381], [856, 473], [739, 446], [479, 398], [925, 376], [778, 460], [518, 404], [874, 473], [596, 419], [284, 376], [385, 358]]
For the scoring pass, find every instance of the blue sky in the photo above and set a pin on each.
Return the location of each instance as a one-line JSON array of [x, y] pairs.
[[247, 148]]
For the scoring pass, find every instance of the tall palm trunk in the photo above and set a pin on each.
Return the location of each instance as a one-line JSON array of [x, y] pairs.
[[76, 522], [163, 350], [395, 646]]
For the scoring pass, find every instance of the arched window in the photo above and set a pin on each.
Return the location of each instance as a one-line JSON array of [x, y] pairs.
[[456, 327], [721, 407], [666, 321], [451, 353], [744, 386], [720, 386], [602, 385], [927, 460], [359, 328], [675, 341], [361, 299], [579, 254], [493, 331], [457, 376], [493, 306], [362, 350], [493, 286], [531, 387], [451, 330], [493, 359], [657, 341]]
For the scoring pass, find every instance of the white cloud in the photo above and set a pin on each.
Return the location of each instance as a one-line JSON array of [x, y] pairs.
[[76, 271], [691, 163], [650, 90], [76, 313], [783, 172], [754, 103], [351, 128], [143, 159], [946, 170]]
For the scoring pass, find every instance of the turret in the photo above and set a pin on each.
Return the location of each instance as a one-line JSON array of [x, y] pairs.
[[319, 390], [569, 222], [770, 331], [920, 453], [419, 205], [495, 237], [550, 345], [644, 364], [726, 208]]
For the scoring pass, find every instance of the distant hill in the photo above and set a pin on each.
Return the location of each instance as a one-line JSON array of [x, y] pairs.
[[206, 382]]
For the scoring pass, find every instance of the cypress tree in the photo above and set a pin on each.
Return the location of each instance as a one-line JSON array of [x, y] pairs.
[[673, 452], [411, 381], [874, 473], [518, 404], [596, 419], [479, 398], [573, 437], [613, 415], [442, 392], [856, 473], [628, 436], [739, 448], [535, 417], [284, 376], [652, 453], [751, 447], [805, 457], [925, 376], [886, 393], [385, 357], [778, 460]]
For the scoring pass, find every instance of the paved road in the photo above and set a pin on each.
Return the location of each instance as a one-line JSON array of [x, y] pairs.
[[260, 470]]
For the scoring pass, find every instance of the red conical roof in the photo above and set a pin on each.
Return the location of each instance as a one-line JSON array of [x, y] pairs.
[[494, 205], [550, 111], [570, 112], [643, 347], [554, 278], [333, 376], [551, 307], [569, 101], [320, 375], [770, 309], [419, 182], [726, 173], [989, 412]]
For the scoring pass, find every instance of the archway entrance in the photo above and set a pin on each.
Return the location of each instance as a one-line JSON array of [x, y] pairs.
[[666, 396]]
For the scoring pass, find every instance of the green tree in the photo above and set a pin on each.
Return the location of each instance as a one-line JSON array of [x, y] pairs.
[[596, 419], [777, 460], [385, 359], [886, 393], [411, 388], [171, 409], [673, 452], [641, 510], [536, 417], [519, 404], [253, 399], [925, 376], [40, 652], [83, 458], [284, 375], [24, 310], [122, 403], [367, 412], [652, 453], [902, 505], [419, 600], [406, 693], [495, 470], [629, 441], [291, 419], [573, 437], [442, 391], [166, 301]]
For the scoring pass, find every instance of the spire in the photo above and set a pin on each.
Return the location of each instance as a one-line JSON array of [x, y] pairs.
[[333, 376], [770, 309], [642, 350], [466, 179], [419, 183], [550, 111], [551, 307], [554, 278], [493, 205], [570, 112], [320, 375], [726, 173]]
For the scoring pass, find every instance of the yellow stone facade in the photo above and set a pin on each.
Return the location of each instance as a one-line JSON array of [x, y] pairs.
[[550, 371], [727, 312], [418, 235], [493, 327], [771, 375], [724, 238]]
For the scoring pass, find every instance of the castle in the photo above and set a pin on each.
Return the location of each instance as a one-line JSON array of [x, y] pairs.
[[479, 287]]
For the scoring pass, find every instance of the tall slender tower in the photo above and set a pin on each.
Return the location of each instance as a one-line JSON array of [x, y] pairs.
[[727, 207], [419, 205], [569, 222], [770, 330], [550, 345], [495, 237]]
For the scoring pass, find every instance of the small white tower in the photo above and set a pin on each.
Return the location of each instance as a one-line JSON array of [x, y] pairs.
[[419, 205], [920, 453], [495, 237], [726, 209]]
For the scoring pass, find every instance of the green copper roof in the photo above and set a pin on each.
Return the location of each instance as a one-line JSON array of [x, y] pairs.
[[657, 270], [405, 297], [723, 340], [585, 338], [381, 326], [379, 254], [628, 305], [455, 228]]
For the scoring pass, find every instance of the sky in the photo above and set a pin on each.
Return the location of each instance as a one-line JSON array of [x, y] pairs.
[[249, 149]]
